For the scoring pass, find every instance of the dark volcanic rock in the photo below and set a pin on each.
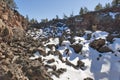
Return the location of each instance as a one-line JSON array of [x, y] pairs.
[[67, 52], [110, 38], [69, 63], [77, 47], [57, 53], [51, 67], [50, 46], [50, 61], [80, 64], [58, 72], [104, 49], [88, 78], [96, 44], [61, 70]]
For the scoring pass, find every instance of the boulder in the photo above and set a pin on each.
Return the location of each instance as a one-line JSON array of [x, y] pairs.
[[77, 47], [69, 63], [18, 34], [96, 44], [61, 70], [80, 64], [110, 38], [51, 52], [88, 78], [104, 49], [57, 53], [50, 61], [50, 46], [51, 67]]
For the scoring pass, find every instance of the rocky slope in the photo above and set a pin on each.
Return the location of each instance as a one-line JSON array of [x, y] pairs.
[[11, 22], [15, 62], [60, 49]]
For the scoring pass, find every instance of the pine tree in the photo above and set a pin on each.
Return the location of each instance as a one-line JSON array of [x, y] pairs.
[[65, 16], [107, 5], [115, 2], [57, 17], [27, 18], [72, 14], [44, 20], [85, 10], [98, 7], [81, 11], [33, 21], [11, 4]]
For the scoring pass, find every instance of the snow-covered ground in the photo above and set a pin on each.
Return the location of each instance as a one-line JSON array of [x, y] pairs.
[[106, 68]]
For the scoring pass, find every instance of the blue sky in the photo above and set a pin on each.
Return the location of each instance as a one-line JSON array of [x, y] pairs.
[[41, 9]]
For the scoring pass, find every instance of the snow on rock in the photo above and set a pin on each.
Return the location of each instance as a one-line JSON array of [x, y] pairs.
[[79, 39], [113, 14], [53, 31], [99, 34], [116, 44], [54, 41], [98, 66], [66, 43]]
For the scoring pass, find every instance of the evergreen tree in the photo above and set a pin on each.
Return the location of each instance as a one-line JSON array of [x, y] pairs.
[[72, 14], [44, 20], [33, 21], [81, 11], [27, 18], [115, 2], [98, 7], [107, 5], [57, 17], [11, 4], [65, 16], [85, 10]]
